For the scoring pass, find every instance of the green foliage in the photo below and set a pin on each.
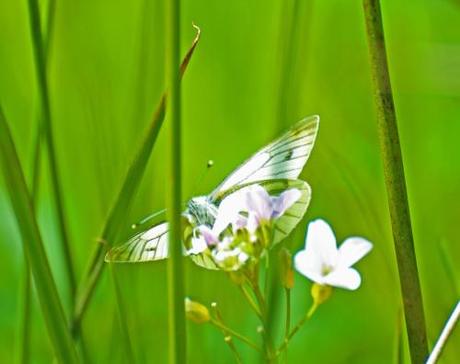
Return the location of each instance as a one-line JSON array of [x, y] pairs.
[[106, 75]]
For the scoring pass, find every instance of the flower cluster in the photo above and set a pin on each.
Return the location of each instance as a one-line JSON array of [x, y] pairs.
[[242, 231]]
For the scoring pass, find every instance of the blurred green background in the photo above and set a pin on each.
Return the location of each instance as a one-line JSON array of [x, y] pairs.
[[245, 84]]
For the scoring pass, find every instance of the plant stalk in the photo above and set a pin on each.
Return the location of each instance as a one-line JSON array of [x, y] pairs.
[[176, 317], [395, 184]]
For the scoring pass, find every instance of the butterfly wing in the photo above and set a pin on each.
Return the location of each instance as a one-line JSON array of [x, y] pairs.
[[282, 159], [145, 246]]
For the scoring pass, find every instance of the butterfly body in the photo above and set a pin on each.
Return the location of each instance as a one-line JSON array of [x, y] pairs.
[[276, 167], [202, 210]]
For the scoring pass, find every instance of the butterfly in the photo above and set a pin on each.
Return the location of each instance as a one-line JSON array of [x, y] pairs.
[[275, 167]]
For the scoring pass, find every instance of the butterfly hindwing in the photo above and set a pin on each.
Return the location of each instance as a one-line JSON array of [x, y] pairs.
[[282, 159], [145, 246]]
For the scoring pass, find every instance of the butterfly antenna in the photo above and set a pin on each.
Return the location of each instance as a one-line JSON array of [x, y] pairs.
[[209, 165], [147, 219]]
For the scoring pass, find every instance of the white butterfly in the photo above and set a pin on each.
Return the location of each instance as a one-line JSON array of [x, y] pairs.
[[275, 167]]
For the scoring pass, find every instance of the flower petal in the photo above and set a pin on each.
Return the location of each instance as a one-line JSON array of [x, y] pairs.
[[347, 278], [258, 201], [228, 211], [198, 246], [352, 250], [309, 266], [208, 235], [320, 242], [285, 201]]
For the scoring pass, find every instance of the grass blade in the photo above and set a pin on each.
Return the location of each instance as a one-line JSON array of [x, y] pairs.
[[395, 184], [119, 211], [176, 312], [46, 288], [446, 331], [26, 292], [40, 68]]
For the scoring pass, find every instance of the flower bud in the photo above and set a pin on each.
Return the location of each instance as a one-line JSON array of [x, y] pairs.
[[320, 293], [286, 271], [196, 312]]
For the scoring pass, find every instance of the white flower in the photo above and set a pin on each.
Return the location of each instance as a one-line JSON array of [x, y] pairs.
[[324, 264], [257, 203]]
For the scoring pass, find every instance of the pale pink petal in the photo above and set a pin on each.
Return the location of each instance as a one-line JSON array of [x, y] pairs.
[[258, 201], [352, 250], [208, 235], [347, 278], [285, 201]]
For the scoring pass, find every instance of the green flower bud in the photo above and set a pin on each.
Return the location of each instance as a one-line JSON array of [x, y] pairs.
[[196, 312]]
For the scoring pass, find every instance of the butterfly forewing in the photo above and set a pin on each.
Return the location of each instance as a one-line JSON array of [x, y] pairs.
[[283, 158], [148, 245]]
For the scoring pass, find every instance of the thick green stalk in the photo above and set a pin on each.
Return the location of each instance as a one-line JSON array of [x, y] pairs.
[[40, 68], [46, 288], [118, 213], [395, 184], [177, 333]]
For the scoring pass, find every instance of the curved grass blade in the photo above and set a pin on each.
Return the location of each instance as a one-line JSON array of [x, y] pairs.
[[119, 211], [46, 288]]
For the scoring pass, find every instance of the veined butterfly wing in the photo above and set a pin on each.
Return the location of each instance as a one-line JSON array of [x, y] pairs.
[[283, 158], [275, 167], [145, 246]]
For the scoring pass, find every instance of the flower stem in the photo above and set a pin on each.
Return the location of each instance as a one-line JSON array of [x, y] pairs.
[[395, 184], [250, 300], [227, 336], [296, 328], [288, 311], [233, 333]]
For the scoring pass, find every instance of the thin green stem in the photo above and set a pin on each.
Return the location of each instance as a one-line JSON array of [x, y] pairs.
[[235, 334], [33, 245], [296, 328], [227, 336], [287, 292], [40, 68], [395, 184], [118, 213], [251, 301], [177, 333]]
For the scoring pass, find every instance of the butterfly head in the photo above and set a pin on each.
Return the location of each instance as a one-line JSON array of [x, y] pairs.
[[202, 210]]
